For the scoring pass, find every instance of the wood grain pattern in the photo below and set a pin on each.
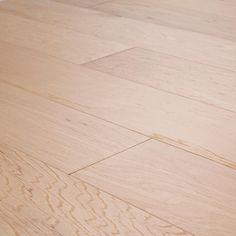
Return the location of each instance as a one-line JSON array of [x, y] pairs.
[[189, 45], [81, 3], [188, 14], [39, 200], [53, 40], [57, 135], [200, 82], [191, 125], [192, 192]]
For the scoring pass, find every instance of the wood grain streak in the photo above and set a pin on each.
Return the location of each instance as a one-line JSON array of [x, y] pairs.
[[193, 126], [81, 3], [215, 18], [197, 81], [55, 41], [192, 192], [57, 135], [39, 200], [117, 117], [189, 45]]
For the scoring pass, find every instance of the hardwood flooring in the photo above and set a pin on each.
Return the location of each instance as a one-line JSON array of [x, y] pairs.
[[117, 117]]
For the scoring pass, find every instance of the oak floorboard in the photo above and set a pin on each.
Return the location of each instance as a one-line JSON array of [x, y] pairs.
[[189, 45], [39, 200], [54, 40], [197, 81], [62, 137], [199, 128], [190, 15], [190, 191]]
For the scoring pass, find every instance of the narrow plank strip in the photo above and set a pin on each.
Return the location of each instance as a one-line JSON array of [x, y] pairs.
[[191, 125], [54, 40], [38, 200], [192, 192], [189, 45], [188, 15], [197, 81], [81, 3], [57, 135]]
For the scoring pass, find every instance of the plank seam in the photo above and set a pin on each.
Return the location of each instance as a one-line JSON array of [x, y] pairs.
[[224, 162], [108, 157]]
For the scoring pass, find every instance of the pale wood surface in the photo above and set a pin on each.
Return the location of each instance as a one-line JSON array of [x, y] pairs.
[[197, 81], [139, 104], [192, 192], [186, 44], [39, 200], [216, 18], [53, 40], [81, 3], [55, 134], [194, 126]]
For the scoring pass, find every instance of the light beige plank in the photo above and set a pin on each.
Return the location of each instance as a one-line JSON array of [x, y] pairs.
[[54, 40], [190, 191], [38, 200], [196, 81], [57, 135], [191, 15], [191, 125], [81, 3], [189, 45]]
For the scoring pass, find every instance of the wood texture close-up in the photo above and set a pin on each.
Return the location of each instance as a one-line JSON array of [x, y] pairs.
[[178, 189], [117, 117], [39, 200]]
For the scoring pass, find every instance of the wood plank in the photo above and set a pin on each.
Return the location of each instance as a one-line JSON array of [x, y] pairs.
[[200, 82], [54, 40], [192, 192], [188, 14], [57, 135], [39, 200], [191, 125], [189, 45], [81, 3]]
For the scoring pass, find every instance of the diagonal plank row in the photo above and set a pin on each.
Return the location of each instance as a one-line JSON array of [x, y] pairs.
[[82, 3], [39, 200], [189, 45], [214, 17], [189, 191], [60, 136], [191, 125], [53, 40], [197, 81]]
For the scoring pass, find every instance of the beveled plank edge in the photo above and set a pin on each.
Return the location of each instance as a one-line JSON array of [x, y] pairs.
[[112, 15], [108, 157], [135, 206], [96, 7], [87, 65], [177, 144], [75, 178], [70, 29], [143, 138]]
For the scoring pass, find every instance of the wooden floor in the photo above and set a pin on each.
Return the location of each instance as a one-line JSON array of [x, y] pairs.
[[117, 117]]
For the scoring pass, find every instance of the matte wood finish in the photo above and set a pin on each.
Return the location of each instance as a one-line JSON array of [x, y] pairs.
[[117, 122], [191, 125], [190, 191], [219, 19], [39, 200], [55, 41], [81, 3], [55, 134], [186, 44], [197, 81]]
